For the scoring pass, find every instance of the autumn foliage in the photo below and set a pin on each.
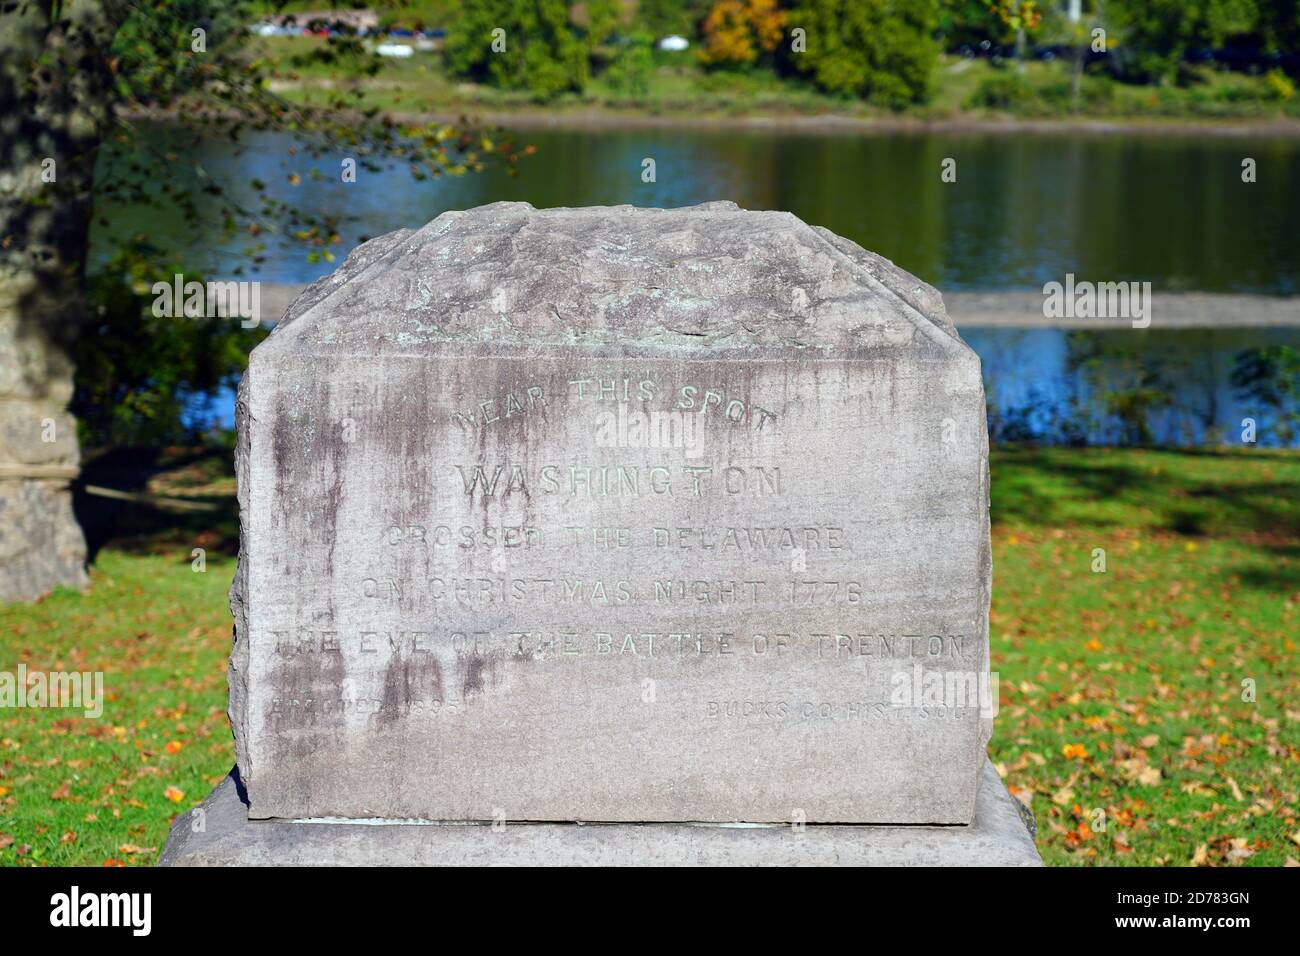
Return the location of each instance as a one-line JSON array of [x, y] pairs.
[[737, 32]]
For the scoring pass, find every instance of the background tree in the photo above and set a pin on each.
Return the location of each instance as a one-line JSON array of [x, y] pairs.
[[737, 32], [661, 18], [1279, 26], [629, 70], [1020, 16], [1158, 34], [146, 380], [601, 19], [970, 23], [539, 51], [75, 76], [880, 50], [1269, 377]]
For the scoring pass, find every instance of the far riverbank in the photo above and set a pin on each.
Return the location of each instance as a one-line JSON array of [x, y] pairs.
[[597, 119]]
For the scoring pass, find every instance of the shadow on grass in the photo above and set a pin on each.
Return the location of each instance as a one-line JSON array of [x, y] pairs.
[[1189, 492], [155, 526], [1279, 581]]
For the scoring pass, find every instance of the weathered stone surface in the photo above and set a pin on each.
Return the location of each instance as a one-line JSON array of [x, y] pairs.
[[996, 837], [41, 544], [612, 515]]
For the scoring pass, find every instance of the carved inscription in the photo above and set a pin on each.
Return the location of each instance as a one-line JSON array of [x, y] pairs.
[[692, 563], [501, 537]]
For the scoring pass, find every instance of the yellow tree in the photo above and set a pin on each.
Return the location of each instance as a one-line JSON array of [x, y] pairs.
[[737, 31]]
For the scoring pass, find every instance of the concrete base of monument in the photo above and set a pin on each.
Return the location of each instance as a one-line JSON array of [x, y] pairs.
[[1000, 836]]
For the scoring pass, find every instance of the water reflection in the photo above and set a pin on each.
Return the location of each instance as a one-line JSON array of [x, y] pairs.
[[1125, 387], [1025, 209]]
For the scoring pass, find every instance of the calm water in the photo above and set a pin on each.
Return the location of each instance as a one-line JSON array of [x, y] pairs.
[[1026, 209], [1055, 386]]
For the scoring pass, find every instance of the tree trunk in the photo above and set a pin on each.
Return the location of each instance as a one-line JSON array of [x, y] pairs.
[[1076, 78], [54, 111]]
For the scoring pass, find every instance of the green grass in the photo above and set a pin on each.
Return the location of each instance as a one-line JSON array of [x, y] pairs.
[[1121, 691], [79, 791], [678, 86]]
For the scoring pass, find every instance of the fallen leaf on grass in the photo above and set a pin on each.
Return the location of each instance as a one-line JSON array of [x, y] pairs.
[[1239, 851], [1066, 793], [1138, 770], [1236, 790]]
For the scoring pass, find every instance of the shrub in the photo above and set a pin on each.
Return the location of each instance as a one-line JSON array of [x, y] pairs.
[[881, 50], [629, 71], [1009, 92], [543, 54], [1280, 86]]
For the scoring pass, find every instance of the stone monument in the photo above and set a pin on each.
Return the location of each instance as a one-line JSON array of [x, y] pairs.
[[611, 516], [41, 544]]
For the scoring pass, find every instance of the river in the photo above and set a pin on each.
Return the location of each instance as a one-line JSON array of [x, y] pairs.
[[1025, 209]]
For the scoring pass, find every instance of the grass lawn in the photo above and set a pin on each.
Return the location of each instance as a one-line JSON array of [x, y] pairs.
[[1122, 723], [1122, 691]]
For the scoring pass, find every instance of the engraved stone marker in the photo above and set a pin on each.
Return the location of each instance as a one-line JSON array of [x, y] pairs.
[[613, 514]]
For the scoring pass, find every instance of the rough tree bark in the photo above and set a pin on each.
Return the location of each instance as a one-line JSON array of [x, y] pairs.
[[55, 90]]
